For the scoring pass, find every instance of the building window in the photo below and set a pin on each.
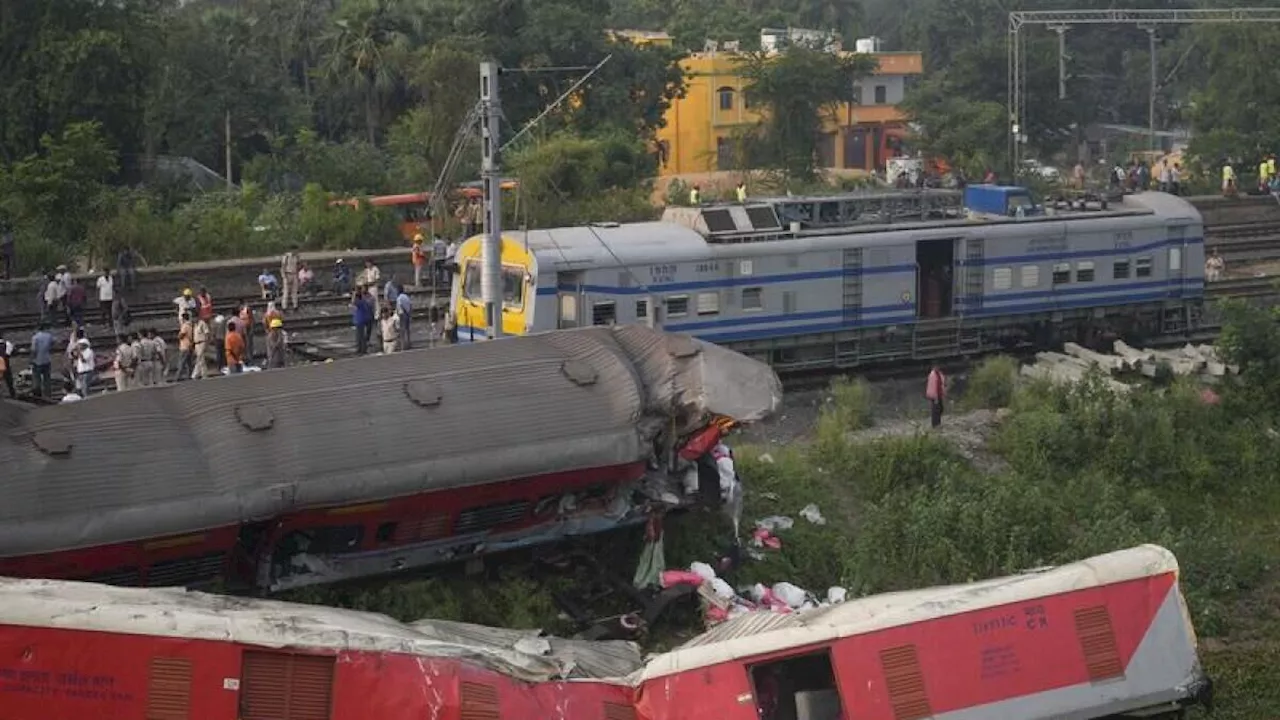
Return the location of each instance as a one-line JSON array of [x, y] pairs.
[[604, 313], [677, 306], [1142, 267], [1030, 276], [1061, 273], [708, 303], [726, 98], [857, 94], [1084, 271], [882, 94], [1120, 270], [752, 298]]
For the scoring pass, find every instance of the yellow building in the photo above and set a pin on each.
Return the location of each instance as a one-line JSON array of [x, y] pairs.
[[698, 134]]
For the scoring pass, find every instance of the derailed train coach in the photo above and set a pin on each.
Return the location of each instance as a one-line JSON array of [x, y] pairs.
[[276, 480], [843, 281], [1108, 637]]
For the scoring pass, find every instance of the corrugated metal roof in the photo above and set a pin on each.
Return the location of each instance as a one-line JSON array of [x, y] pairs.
[[167, 460]]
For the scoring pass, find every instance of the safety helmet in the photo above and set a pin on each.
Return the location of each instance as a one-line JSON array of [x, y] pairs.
[[417, 238], [277, 322], [186, 292]]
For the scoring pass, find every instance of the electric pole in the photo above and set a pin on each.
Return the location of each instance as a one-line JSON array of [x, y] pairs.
[[491, 253]]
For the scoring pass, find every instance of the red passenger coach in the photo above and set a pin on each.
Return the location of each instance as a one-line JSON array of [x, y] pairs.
[[74, 651], [1108, 637], [362, 467]]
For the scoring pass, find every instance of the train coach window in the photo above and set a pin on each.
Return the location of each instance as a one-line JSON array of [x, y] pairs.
[[1142, 267], [1030, 276], [1175, 259], [753, 298], [1002, 278], [604, 313], [471, 282], [642, 309], [1061, 273], [677, 306], [1084, 271], [1120, 270], [513, 287], [708, 303]]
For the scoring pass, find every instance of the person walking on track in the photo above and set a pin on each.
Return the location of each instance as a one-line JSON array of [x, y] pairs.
[[289, 280]]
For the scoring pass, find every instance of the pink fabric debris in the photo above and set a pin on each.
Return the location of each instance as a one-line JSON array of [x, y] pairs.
[[671, 578]]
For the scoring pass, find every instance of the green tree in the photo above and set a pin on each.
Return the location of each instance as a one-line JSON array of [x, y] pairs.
[[799, 90], [57, 192], [568, 179]]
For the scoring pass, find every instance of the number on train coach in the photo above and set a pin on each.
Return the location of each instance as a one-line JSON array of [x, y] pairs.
[[662, 273]]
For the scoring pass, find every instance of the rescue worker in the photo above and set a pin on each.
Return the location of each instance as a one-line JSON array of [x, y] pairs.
[[390, 328], [234, 348], [200, 334], [245, 328], [742, 192], [204, 305], [120, 317], [289, 279], [1264, 175], [1228, 179], [341, 277], [6, 365], [275, 343], [404, 311], [272, 313], [418, 255], [1213, 266], [85, 364], [187, 304], [439, 250], [361, 319], [186, 349], [371, 278], [42, 361], [106, 295], [125, 364], [148, 359], [162, 356], [935, 390], [695, 196]]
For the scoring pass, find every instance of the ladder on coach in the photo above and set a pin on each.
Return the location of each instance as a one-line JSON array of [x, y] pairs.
[[851, 277], [974, 273]]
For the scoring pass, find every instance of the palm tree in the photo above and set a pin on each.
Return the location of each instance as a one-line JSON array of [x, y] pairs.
[[367, 48]]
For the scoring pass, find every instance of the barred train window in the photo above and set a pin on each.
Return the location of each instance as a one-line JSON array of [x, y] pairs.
[[1120, 270], [1142, 267], [677, 306], [1084, 271], [1061, 273], [642, 309], [604, 313], [753, 298], [708, 303]]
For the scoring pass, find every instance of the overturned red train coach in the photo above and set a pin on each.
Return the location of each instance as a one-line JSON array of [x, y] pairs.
[[1105, 637], [362, 467]]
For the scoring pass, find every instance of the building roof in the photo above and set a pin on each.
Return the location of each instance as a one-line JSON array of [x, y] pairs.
[[174, 612], [186, 457], [760, 633]]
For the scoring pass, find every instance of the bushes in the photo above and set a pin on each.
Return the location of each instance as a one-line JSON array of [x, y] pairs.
[[991, 383]]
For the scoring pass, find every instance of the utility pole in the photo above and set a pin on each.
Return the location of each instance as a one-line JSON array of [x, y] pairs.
[[491, 255], [1062, 59], [1151, 101]]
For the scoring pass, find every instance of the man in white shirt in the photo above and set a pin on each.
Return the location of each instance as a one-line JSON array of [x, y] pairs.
[[85, 364], [106, 294]]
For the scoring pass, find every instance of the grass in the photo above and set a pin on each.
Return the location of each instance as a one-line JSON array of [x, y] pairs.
[[1084, 472]]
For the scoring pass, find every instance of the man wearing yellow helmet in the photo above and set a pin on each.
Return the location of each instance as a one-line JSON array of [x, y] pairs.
[[419, 257], [275, 343]]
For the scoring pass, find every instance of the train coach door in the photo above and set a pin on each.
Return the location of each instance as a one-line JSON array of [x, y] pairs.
[[935, 262], [1177, 260], [569, 300]]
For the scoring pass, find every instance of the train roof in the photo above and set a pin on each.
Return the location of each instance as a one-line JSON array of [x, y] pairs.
[[760, 633], [174, 612], [679, 239], [166, 460]]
